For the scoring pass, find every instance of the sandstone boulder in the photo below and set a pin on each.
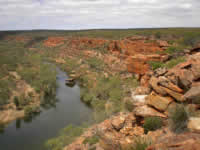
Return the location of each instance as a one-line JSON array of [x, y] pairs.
[[158, 102], [154, 84], [145, 111], [138, 98], [141, 90], [163, 43], [184, 141], [160, 72], [118, 122], [193, 94], [132, 131], [196, 71], [195, 49], [163, 81], [144, 81], [137, 65], [194, 124], [179, 97]]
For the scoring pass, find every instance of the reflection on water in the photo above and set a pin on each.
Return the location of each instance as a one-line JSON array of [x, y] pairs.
[[31, 133]]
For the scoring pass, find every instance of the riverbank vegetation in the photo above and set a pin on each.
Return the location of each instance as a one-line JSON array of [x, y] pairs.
[[25, 80], [66, 136]]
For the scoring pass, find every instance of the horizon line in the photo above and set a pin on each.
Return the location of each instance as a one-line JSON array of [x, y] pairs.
[[43, 29]]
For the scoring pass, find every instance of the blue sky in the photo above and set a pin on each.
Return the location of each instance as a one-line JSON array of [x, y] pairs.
[[90, 14]]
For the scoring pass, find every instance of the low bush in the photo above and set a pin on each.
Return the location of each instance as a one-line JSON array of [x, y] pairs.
[[102, 49], [140, 144], [170, 64], [95, 63], [71, 64], [4, 92], [16, 101], [129, 105], [174, 62], [178, 119], [152, 124], [156, 64], [91, 140], [23, 100], [98, 104], [190, 39], [173, 49], [30, 111], [66, 136], [158, 35], [86, 96]]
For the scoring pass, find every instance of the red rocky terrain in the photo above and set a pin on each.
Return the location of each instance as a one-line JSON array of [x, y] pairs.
[[159, 92], [135, 51]]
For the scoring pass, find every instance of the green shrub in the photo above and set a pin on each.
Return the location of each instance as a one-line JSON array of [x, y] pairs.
[[190, 39], [98, 105], [86, 96], [152, 124], [30, 111], [95, 63], [16, 101], [140, 144], [178, 119], [66, 136], [172, 50], [156, 64], [71, 64], [102, 49], [4, 92], [99, 116], [91, 140], [23, 100], [170, 64], [158, 35], [115, 94], [129, 105], [174, 62]]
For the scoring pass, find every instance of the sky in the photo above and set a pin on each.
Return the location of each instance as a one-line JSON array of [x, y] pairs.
[[91, 14]]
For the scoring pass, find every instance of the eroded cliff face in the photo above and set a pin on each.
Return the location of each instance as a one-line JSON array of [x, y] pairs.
[[135, 51]]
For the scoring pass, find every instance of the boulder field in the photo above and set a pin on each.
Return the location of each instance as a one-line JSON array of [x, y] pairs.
[[159, 91]]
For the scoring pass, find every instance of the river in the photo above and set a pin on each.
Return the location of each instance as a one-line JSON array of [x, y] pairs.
[[32, 135]]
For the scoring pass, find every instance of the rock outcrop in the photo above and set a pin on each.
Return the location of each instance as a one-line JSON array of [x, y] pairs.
[[194, 124], [54, 41], [170, 141], [159, 92], [170, 87]]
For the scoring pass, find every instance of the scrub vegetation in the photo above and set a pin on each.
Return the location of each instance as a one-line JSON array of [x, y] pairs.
[[102, 87], [65, 137], [169, 64], [152, 124], [25, 78], [178, 119]]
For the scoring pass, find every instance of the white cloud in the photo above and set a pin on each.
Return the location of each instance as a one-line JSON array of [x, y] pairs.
[[73, 14]]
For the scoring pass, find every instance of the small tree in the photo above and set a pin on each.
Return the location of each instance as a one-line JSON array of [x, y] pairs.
[[178, 119], [16, 101], [152, 124], [158, 35]]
